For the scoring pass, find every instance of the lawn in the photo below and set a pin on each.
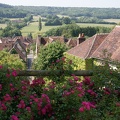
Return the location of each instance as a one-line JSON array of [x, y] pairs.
[[112, 20], [3, 25], [33, 28], [94, 25]]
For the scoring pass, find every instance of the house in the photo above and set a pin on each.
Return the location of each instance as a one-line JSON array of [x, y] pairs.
[[111, 45], [100, 47], [97, 45], [87, 48], [18, 44], [69, 42]]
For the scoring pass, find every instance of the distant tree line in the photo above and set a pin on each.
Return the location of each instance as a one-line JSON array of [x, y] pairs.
[[73, 30], [55, 20], [7, 11], [52, 20], [85, 19], [102, 13]]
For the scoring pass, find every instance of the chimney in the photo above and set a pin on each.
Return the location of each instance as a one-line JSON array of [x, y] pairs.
[[80, 38]]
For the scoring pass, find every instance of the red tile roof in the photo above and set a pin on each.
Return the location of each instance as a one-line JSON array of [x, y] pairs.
[[86, 48], [72, 43], [111, 45]]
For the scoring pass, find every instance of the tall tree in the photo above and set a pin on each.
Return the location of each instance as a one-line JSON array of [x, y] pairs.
[[40, 24]]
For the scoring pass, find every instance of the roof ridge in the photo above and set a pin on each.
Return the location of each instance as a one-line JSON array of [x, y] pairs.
[[104, 40], [91, 46]]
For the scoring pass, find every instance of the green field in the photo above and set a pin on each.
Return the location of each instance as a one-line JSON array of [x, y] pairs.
[[94, 25], [3, 25], [112, 20], [33, 28]]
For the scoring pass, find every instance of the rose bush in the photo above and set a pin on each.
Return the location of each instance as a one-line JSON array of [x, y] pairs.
[[95, 98]]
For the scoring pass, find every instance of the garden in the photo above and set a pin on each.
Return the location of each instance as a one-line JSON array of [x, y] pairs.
[[61, 97]]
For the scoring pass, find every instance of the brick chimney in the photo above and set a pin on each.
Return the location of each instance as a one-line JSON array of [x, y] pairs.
[[80, 38]]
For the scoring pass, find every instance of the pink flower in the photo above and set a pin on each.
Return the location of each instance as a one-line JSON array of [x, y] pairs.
[[57, 61], [28, 109], [118, 104], [107, 91], [14, 73], [3, 107], [13, 117], [75, 77], [24, 88], [92, 93], [7, 75], [7, 98], [86, 81], [0, 86], [21, 104], [1, 66], [36, 100], [63, 59], [81, 109], [86, 106], [43, 111]]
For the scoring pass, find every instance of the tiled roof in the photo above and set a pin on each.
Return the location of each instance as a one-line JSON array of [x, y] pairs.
[[111, 45], [72, 43], [86, 48]]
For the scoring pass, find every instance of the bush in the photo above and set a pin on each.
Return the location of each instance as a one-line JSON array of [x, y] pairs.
[[11, 61], [95, 98]]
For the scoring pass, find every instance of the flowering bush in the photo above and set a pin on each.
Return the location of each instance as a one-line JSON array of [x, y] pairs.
[[71, 99]]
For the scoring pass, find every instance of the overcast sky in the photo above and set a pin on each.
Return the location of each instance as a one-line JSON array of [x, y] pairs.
[[65, 3]]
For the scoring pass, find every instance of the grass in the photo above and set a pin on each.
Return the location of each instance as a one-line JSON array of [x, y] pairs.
[[3, 25], [46, 28], [112, 20], [33, 28], [94, 25]]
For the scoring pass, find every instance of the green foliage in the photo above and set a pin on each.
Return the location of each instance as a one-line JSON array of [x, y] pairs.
[[77, 63], [73, 30], [30, 35], [40, 24], [11, 61], [95, 98], [49, 54], [9, 31], [53, 20], [7, 11], [89, 64], [85, 19], [66, 20], [102, 13]]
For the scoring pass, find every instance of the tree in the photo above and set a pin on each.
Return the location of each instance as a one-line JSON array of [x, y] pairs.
[[9, 31], [30, 35], [66, 20], [10, 60], [49, 54], [40, 24]]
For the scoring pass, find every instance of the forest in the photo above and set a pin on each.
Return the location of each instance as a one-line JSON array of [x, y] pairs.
[[21, 11], [56, 16]]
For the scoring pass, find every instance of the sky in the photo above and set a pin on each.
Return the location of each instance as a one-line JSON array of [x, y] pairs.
[[66, 3]]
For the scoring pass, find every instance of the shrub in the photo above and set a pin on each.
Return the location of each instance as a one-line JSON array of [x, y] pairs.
[[70, 98]]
